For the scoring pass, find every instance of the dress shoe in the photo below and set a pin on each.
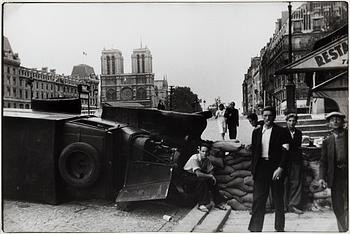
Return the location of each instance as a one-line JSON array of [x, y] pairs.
[[295, 210]]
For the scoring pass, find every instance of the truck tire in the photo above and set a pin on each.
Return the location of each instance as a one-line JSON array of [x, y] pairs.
[[79, 164]]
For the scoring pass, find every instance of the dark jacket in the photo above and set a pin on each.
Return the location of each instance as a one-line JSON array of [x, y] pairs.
[[231, 115], [327, 162], [277, 154], [294, 146]]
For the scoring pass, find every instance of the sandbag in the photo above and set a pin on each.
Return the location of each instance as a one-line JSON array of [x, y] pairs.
[[235, 191], [244, 165], [248, 180], [237, 183], [225, 194], [229, 157], [216, 152], [217, 162], [315, 187], [236, 205], [248, 205], [227, 170], [240, 173], [232, 183], [248, 198], [236, 160], [223, 179], [323, 194], [244, 152], [229, 145]]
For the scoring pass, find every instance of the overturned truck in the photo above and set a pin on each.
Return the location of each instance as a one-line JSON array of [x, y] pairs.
[[53, 155]]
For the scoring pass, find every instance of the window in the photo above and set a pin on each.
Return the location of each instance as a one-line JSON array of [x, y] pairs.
[[20, 94], [8, 91], [42, 85], [108, 72], [14, 105], [26, 93], [14, 80], [14, 92], [9, 105]]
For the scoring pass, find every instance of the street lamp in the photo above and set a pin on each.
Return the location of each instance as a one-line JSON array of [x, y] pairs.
[[290, 86]]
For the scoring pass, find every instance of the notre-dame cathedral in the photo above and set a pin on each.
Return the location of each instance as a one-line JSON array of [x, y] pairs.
[[135, 89]]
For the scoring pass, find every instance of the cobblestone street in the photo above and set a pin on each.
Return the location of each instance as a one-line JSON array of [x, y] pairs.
[[89, 216]]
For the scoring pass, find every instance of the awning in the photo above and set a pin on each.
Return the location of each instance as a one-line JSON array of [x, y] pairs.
[[337, 83], [331, 56]]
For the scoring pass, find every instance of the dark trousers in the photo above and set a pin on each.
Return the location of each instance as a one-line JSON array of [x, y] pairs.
[[293, 184], [203, 189], [232, 131], [262, 184], [340, 200]]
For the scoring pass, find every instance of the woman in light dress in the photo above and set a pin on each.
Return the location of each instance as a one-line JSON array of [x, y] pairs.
[[219, 115]]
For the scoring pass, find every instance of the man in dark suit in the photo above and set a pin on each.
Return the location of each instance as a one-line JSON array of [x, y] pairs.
[[232, 120], [270, 145], [293, 183], [334, 168]]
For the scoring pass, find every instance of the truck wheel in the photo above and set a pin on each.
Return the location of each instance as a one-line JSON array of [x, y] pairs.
[[79, 164]]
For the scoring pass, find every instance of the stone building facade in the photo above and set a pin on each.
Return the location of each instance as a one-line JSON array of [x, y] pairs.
[[310, 22], [134, 89], [22, 84], [86, 75]]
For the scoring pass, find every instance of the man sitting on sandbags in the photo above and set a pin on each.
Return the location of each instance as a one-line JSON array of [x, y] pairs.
[[198, 178]]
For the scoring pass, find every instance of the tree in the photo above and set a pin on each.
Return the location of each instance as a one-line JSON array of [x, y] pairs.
[[184, 100]]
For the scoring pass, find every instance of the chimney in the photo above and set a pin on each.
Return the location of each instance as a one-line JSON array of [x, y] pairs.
[[44, 69], [53, 71]]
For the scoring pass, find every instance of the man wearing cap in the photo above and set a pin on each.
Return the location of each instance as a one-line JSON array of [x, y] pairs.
[[270, 145], [334, 167], [293, 183]]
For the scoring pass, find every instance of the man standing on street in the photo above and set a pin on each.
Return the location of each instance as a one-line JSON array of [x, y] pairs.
[[293, 183], [231, 115], [334, 168], [270, 145]]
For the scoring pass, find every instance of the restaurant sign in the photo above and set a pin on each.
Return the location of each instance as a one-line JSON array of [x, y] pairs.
[[331, 56]]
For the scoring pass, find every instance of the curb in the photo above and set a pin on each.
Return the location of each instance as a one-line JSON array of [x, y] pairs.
[[190, 221], [223, 221]]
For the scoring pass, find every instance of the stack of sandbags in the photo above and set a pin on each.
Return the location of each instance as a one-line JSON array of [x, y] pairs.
[[315, 196], [234, 178]]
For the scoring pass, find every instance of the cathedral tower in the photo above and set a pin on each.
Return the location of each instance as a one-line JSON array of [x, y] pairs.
[[112, 62], [141, 60]]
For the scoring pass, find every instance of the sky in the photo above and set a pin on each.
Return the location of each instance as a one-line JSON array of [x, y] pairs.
[[205, 46]]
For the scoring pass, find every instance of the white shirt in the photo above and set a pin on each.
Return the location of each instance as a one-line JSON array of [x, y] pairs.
[[265, 141], [195, 163]]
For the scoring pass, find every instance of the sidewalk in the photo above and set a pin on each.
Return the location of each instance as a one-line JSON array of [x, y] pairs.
[[232, 221], [311, 221]]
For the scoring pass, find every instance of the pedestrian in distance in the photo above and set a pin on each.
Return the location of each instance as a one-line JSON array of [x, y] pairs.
[[334, 168], [232, 119], [198, 178], [270, 145], [219, 115], [294, 172], [161, 106], [253, 120]]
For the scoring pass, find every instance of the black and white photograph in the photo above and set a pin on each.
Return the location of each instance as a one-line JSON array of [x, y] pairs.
[[174, 116]]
